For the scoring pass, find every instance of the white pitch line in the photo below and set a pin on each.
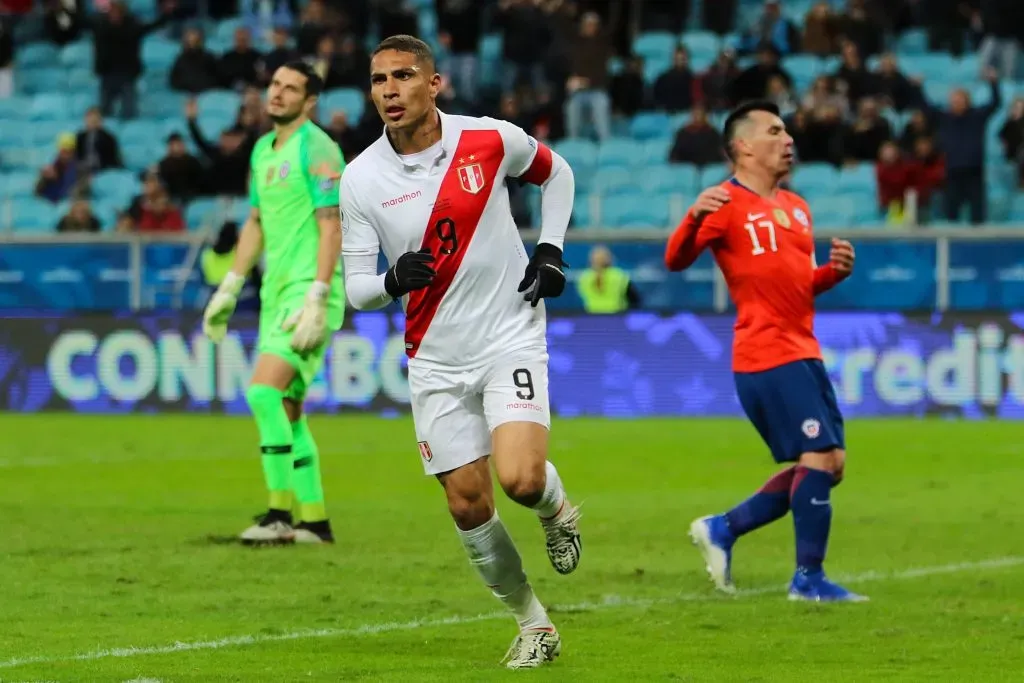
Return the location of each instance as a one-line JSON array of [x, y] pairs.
[[609, 602]]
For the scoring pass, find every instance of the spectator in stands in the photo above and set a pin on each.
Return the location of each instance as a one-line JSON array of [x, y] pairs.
[[927, 177], [867, 134], [697, 142], [343, 134], [96, 147], [947, 21], [227, 167], [352, 66], [327, 64], [862, 28], [823, 137], [263, 17], [1012, 137], [825, 93], [1002, 27], [315, 23], [781, 95], [181, 172], [961, 133], [820, 25], [117, 47], [196, 69], [605, 289], [63, 21], [79, 218], [525, 36], [719, 16], [628, 90], [152, 211], [665, 15], [450, 102], [895, 89], [752, 84], [397, 17], [716, 83], [63, 178], [892, 173], [6, 61], [240, 66], [918, 126], [773, 29], [854, 80], [678, 88], [255, 110], [587, 87], [460, 29], [281, 54]]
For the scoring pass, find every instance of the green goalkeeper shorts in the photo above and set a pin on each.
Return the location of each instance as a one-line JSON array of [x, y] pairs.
[[276, 342]]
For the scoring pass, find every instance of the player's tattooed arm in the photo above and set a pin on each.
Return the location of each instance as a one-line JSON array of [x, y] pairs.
[[328, 219]]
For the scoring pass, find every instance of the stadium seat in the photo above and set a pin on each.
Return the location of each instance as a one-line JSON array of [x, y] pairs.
[[612, 180], [635, 211], [619, 152], [220, 101], [81, 81], [15, 107], [702, 44], [656, 151], [159, 53], [671, 178], [655, 67], [833, 212], [42, 80], [202, 213], [648, 125], [226, 28], [49, 106], [933, 67], [106, 212], [141, 132], [491, 47], [34, 215], [581, 211], [857, 179], [349, 100], [78, 54], [37, 55], [815, 178], [139, 157], [713, 174], [912, 42], [1017, 209], [116, 184], [18, 184], [45, 133], [12, 134], [655, 45], [577, 152]]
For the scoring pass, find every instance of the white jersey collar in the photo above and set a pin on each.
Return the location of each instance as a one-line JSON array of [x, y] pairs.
[[448, 135]]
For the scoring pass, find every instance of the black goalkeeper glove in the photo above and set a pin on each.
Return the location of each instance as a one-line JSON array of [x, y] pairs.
[[411, 271], [544, 274]]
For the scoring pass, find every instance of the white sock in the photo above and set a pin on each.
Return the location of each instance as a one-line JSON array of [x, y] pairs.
[[553, 499], [495, 557]]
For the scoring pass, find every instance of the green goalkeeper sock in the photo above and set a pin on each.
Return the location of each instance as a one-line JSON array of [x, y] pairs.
[[275, 443], [306, 478]]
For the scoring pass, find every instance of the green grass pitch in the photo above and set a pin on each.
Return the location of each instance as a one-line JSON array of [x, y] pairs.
[[111, 570]]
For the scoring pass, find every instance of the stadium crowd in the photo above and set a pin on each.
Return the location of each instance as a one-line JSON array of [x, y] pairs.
[[569, 70]]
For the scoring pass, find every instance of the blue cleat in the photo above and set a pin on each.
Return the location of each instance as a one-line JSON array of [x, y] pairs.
[[814, 587], [712, 537]]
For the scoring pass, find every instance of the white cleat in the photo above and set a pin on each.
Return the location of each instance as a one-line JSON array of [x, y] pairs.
[[268, 532], [533, 648], [707, 534], [563, 541]]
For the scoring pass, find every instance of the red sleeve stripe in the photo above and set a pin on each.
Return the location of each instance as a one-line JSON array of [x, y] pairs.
[[540, 169]]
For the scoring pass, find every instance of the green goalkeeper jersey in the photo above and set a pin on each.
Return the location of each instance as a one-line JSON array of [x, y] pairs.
[[288, 185]]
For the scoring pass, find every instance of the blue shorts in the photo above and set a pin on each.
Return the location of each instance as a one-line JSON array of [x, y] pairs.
[[793, 407]]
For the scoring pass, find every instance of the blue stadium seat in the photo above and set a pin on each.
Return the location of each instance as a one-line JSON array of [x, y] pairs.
[[865, 209], [578, 153], [13, 134], [937, 92], [350, 100], [832, 212], [202, 213], [138, 158], [581, 211], [815, 178], [858, 179], [106, 212], [713, 174], [635, 211], [1017, 209], [701, 44], [491, 47], [42, 80], [15, 107], [78, 54], [34, 215], [45, 133], [159, 53], [656, 151], [932, 66], [226, 28], [36, 55], [24, 158], [141, 132], [912, 42], [672, 178], [648, 125], [619, 152], [49, 107], [616, 180], [81, 81], [163, 105], [18, 184], [116, 185], [655, 67], [803, 68], [221, 101], [655, 45]]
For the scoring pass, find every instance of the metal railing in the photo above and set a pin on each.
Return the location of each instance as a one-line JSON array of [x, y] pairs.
[[941, 237]]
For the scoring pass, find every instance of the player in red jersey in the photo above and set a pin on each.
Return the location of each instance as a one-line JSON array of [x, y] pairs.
[[761, 237]]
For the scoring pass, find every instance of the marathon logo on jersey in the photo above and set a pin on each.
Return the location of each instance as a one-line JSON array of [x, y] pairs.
[[407, 197], [811, 428], [425, 451], [523, 405], [471, 176]]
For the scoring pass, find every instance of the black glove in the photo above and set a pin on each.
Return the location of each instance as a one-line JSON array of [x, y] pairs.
[[411, 271], [544, 273]]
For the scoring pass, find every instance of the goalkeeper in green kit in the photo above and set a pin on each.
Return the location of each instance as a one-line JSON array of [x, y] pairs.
[[295, 219]]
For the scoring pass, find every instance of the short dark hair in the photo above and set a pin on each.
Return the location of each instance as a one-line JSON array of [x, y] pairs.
[[314, 84], [409, 44], [738, 116]]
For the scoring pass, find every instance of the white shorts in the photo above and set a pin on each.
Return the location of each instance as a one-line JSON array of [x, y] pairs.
[[455, 410]]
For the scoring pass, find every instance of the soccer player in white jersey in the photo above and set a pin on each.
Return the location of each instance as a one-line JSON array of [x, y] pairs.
[[431, 191]]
